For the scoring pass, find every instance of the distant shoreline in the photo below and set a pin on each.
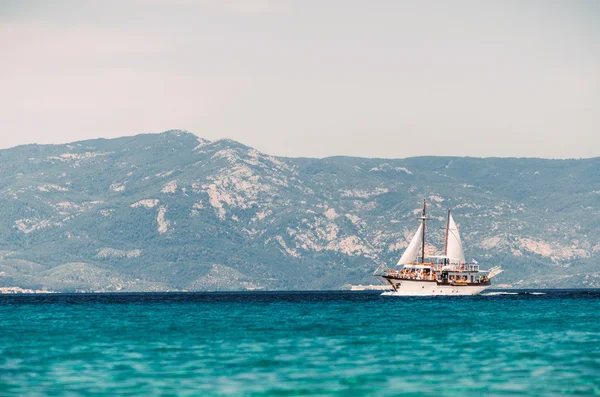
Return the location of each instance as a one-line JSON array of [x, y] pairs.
[[21, 291]]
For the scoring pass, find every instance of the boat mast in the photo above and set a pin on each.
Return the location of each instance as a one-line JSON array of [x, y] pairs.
[[447, 229], [423, 218]]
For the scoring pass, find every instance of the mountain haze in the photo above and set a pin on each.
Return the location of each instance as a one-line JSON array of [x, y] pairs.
[[172, 211]]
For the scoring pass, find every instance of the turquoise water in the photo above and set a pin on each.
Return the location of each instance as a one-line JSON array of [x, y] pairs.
[[280, 344]]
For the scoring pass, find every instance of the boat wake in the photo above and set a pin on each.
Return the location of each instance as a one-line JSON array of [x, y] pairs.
[[496, 293], [500, 293]]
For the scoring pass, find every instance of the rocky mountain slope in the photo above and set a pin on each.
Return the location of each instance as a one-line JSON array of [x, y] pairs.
[[172, 211]]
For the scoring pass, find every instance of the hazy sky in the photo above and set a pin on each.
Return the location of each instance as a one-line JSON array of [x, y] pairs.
[[308, 78]]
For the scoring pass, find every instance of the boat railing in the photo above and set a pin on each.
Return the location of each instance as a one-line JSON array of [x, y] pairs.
[[464, 267], [431, 276]]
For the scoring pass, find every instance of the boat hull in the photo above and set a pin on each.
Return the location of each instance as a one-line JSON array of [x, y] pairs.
[[430, 288]]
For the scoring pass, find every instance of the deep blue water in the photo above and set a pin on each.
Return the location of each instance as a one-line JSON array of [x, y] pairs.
[[300, 343]]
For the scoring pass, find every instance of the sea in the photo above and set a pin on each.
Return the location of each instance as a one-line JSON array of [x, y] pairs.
[[502, 343]]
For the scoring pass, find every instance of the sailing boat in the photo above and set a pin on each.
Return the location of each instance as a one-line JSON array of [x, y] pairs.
[[446, 274]]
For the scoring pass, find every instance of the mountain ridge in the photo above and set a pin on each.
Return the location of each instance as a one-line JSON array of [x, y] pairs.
[[174, 211]]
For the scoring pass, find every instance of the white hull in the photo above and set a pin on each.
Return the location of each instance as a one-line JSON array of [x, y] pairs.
[[429, 288]]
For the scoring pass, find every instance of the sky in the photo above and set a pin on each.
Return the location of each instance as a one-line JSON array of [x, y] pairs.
[[308, 78]]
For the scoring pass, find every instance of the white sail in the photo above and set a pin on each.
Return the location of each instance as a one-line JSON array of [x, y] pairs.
[[412, 251], [454, 249]]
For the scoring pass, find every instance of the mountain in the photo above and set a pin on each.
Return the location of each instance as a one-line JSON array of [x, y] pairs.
[[172, 211]]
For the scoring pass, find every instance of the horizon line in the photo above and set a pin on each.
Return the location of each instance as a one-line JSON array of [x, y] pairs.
[[184, 131]]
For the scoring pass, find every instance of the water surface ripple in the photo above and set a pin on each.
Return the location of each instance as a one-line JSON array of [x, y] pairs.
[[300, 343]]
